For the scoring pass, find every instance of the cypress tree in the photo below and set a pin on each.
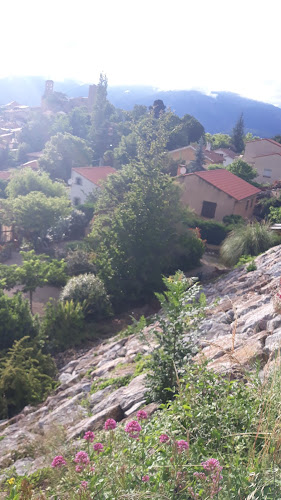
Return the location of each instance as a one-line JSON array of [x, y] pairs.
[[198, 163], [237, 137]]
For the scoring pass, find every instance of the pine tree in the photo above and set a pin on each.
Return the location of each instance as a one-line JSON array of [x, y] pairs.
[[237, 137], [198, 163]]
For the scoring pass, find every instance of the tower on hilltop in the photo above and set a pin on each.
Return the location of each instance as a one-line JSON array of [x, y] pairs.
[[49, 87]]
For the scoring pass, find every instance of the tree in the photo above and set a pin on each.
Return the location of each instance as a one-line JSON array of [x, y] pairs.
[[101, 131], [61, 125], [26, 181], [62, 153], [36, 132], [32, 215], [218, 140], [137, 233], [157, 108], [242, 170], [26, 376], [16, 320], [21, 155], [35, 272], [198, 164], [180, 308], [80, 122], [237, 138]]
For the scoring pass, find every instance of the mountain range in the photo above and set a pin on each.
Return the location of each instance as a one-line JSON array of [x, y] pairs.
[[218, 111]]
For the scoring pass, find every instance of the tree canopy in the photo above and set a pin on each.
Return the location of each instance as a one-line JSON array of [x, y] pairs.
[[62, 153], [26, 181], [237, 138], [243, 170]]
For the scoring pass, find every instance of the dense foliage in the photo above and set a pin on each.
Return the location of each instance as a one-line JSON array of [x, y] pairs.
[[26, 181], [137, 234], [90, 291]]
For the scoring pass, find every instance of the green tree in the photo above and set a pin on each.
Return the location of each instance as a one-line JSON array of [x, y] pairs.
[[218, 140], [61, 124], [237, 137], [198, 163], [32, 215], [36, 132], [101, 131], [137, 234], [243, 170], [157, 108], [62, 153], [26, 181], [26, 376], [80, 122], [21, 155], [180, 308], [16, 320]]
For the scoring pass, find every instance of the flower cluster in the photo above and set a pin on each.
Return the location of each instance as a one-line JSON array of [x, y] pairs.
[[89, 436], [164, 438], [133, 428], [210, 478], [142, 415], [82, 458], [58, 461], [110, 424], [98, 447], [182, 445]]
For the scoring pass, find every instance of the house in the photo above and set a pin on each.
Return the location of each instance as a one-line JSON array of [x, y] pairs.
[[187, 155], [265, 156], [215, 193], [228, 155], [85, 180]]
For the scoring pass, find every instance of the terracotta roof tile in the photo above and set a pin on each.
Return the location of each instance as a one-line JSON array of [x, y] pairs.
[[95, 174], [228, 183]]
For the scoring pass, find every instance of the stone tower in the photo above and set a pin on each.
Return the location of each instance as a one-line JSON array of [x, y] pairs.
[[49, 87]]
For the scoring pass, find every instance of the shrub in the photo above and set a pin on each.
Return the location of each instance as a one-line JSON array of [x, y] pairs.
[[90, 290], [16, 320], [70, 227], [25, 377], [211, 231], [252, 239], [62, 325], [233, 219], [251, 267], [180, 308], [77, 262]]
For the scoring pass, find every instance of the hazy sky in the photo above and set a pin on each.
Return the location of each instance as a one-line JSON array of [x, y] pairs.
[[170, 44]]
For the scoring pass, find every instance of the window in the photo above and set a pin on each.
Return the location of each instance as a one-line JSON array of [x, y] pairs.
[[252, 201], [267, 172], [76, 201], [78, 181], [208, 209], [247, 205]]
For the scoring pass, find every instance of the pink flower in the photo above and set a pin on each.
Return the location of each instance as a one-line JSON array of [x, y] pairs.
[[182, 445], [58, 461], [133, 428], [82, 458], [110, 424], [164, 438], [98, 447], [89, 436], [142, 415], [79, 468], [93, 468], [145, 479], [84, 485], [211, 465]]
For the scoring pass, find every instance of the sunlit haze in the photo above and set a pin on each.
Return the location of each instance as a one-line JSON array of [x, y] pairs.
[[179, 44]]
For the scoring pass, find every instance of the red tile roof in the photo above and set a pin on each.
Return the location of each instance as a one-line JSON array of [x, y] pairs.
[[214, 157], [269, 140], [95, 174], [268, 154], [227, 152], [228, 183]]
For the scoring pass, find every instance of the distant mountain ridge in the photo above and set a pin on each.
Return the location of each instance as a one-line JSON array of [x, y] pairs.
[[218, 112]]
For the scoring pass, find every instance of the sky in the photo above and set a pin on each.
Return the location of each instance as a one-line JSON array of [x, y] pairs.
[[209, 45]]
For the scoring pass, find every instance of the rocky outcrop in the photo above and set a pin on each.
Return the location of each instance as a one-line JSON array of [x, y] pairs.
[[240, 330]]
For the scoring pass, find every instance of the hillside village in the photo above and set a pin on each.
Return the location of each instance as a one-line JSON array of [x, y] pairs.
[[140, 304]]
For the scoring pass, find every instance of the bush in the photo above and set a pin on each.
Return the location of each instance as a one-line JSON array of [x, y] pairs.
[[70, 227], [233, 219], [77, 262], [62, 325], [25, 377], [16, 320], [90, 290], [252, 239], [213, 232], [180, 308]]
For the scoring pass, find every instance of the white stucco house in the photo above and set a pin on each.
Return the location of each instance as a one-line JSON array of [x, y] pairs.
[[84, 180], [228, 155]]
